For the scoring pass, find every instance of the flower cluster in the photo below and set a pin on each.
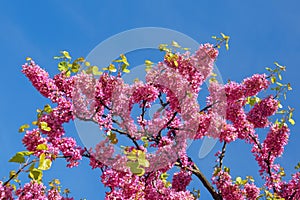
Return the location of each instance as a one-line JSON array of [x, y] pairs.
[[5, 192], [181, 180], [234, 191], [32, 190], [291, 190], [41, 81], [253, 85], [259, 114], [174, 84]]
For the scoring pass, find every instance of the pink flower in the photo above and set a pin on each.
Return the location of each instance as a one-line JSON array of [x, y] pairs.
[[41, 81], [32, 139], [5, 192], [32, 190], [259, 114], [276, 139], [181, 180], [252, 191], [255, 84], [144, 92]]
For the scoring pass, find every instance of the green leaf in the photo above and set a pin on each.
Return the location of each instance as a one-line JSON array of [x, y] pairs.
[[281, 112], [36, 174], [145, 140], [282, 68], [80, 59], [75, 67], [124, 59], [63, 66], [250, 178], [68, 73], [23, 127], [163, 47], [164, 176], [269, 69], [13, 173], [227, 46], [87, 64], [238, 180], [45, 163], [289, 86], [57, 57], [96, 71], [175, 44], [135, 169], [20, 156], [126, 71], [110, 68], [280, 84], [148, 63], [47, 108], [25, 153], [292, 121], [32, 166], [297, 166], [131, 155], [44, 126], [176, 63], [42, 147], [66, 54], [225, 37], [143, 162], [112, 137], [273, 79], [227, 169], [124, 68]]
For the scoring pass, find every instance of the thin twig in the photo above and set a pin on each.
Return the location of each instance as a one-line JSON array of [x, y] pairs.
[[18, 172], [222, 155]]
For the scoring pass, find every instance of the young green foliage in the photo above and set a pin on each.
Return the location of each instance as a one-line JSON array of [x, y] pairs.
[[19, 157]]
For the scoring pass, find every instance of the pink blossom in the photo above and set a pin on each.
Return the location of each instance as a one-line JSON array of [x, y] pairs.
[[234, 91], [276, 139], [53, 194], [32, 139], [291, 190], [181, 180], [5, 192], [259, 114], [252, 191], [255, 84], [32, 190], [144, 92], [41, 81]]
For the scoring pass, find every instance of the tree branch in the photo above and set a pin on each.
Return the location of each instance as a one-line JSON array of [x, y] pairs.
[[196, 171], [222, 155], [18, 172]]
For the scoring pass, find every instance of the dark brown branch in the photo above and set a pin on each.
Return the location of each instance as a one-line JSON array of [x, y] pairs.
[[267, 161], [143, 110], [222, 155], [129, 136], [208, 106], [18, 172], [196, 171]]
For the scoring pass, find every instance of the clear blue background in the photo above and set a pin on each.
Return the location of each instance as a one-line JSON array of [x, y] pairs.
[[261, 32]]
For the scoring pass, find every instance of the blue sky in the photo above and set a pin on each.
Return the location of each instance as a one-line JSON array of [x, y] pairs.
[[261, 32]]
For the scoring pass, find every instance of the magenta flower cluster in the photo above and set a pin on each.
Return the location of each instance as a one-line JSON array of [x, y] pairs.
[[137, 172]]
